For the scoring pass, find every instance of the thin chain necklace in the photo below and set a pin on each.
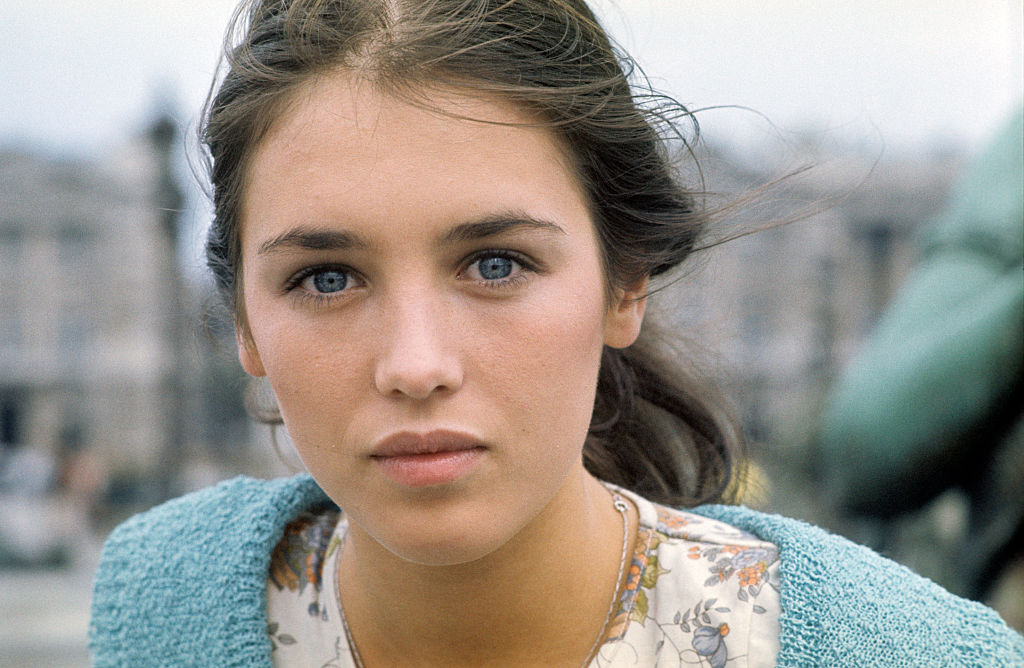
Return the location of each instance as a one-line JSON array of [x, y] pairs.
[[620, 505]]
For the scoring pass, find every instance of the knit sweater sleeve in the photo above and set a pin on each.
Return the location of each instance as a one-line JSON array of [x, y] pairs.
[[844, 605], [184, 584]]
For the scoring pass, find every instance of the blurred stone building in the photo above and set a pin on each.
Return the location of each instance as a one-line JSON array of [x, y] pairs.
[[784, 308], [91, 309]]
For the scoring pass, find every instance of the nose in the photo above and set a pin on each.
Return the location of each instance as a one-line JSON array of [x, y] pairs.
[[417, 356]]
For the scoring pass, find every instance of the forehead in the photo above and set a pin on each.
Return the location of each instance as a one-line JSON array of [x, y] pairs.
[[342, 147]]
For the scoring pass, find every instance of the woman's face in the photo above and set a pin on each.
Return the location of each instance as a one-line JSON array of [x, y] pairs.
[[426, 298]]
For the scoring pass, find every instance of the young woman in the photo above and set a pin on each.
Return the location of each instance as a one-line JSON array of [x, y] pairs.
[[438, 222]]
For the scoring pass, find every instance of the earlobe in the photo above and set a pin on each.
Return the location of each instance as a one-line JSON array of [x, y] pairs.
[[626, 315], [247, 353]]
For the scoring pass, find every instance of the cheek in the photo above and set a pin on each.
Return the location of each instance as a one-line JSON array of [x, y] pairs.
[[308, 368], [551, 365]]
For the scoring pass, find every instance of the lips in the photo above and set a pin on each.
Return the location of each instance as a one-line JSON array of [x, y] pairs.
[[412, 443], [435, 458]]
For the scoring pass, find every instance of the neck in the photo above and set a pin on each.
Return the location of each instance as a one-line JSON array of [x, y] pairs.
[[541, 599]]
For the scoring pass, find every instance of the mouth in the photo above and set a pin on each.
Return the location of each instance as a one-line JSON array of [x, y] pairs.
[[421, 460]]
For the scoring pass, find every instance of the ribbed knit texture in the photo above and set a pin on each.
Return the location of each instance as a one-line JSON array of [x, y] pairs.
[[184, 584]]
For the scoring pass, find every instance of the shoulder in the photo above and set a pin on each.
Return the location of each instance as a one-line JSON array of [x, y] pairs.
[[845, 605], [693, 526], [234, 518], [222, 506], [189, 575]]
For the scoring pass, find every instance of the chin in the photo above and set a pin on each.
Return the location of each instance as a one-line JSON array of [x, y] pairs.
[[448, 549]]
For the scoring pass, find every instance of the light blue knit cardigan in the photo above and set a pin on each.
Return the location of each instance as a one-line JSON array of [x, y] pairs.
[[184, 584]]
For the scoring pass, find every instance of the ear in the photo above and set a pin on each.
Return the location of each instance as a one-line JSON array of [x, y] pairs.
[[248, 355], [625, 315]]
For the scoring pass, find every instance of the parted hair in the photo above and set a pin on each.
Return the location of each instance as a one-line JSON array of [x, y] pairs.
[[656, 428]]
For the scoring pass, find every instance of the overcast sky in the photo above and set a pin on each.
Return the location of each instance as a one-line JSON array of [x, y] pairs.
[[77, 75]]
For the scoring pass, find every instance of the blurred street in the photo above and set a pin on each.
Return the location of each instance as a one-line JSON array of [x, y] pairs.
[[44, 614]]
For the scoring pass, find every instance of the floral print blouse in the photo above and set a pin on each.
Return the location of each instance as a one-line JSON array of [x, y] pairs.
[[699, 593]]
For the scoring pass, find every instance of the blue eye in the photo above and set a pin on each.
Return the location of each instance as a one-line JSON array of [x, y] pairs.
[[495, 268], [326, 281]]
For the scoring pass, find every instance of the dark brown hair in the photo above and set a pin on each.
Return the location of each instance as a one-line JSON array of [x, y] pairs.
[[654, 429]]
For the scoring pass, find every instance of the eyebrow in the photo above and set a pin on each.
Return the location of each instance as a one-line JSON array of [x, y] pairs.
[[494, 225], [307, 238]]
